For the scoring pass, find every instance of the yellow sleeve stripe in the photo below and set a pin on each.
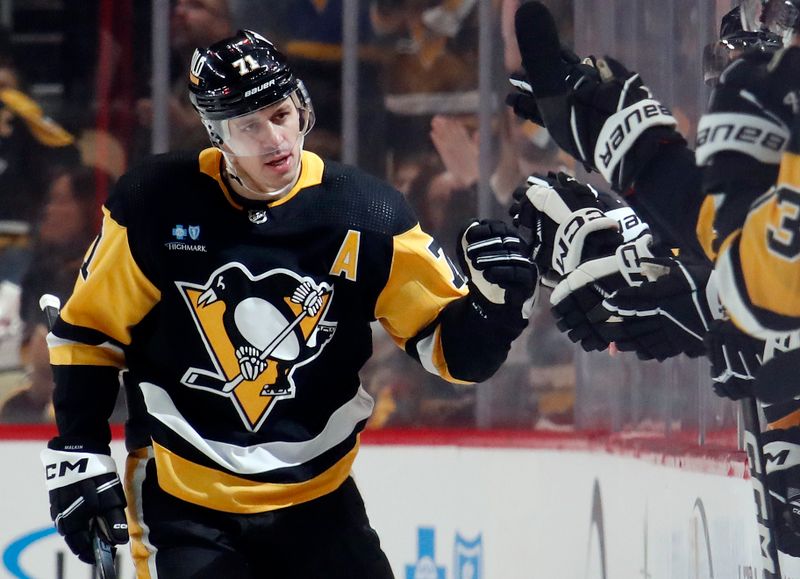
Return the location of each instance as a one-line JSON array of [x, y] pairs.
[[788, 421], [211, 488], [74, 354], [705, 226], [431, 356], [142, 551], [790, 170], [115, 295], [419, 286]]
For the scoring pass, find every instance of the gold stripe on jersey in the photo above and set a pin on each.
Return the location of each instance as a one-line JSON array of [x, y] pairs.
[[221, 491], [142, 551], [103, 300], [66, 353], [311, 169], [416, 276], [706, 234], [789, 421], [431, 356]]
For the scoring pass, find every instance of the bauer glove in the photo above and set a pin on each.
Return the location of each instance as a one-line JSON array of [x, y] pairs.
[[741, 137], [596, 110]]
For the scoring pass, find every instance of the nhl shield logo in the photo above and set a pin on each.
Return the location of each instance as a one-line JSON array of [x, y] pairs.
[[468, 558]]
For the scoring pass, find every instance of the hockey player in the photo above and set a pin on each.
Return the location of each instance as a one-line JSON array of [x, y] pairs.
[[755, 98], [236, 289]]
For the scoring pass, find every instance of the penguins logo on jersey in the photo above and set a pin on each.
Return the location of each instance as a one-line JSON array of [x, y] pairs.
[[257, 330]]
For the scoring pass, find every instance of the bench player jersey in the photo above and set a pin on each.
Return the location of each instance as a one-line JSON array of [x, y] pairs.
[[241, 326], [759, 265]]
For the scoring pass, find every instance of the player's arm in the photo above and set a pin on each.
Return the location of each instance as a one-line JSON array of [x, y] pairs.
[[759, 265], [605, 117], [110, 297], [86, 345], [458, 329]]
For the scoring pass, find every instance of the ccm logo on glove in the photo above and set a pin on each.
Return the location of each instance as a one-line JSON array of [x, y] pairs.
[[60, 469]]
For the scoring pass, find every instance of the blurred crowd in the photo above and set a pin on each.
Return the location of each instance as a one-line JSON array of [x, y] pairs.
[[418, 127]]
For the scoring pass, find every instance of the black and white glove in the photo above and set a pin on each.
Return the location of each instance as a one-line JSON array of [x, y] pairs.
[[596, 110], [668, 315], [563, 222], [741, 137], [577, 301], [782, 450], [735, 358], [501, 277], [85, 494]]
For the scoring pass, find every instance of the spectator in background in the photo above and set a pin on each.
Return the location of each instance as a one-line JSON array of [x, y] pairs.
[[32, 402], [442, 203], [67, 225], [31, 146], [430, 67], [314, 45], [193, 23]]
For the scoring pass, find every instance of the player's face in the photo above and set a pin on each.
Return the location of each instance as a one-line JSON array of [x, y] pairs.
[[266, 145]]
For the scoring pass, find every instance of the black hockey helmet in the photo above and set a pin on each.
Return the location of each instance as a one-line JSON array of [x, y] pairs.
[[240, 75], [734, 39]]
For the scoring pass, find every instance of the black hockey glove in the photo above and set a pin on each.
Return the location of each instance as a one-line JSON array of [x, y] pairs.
[[782, 452], [735, 358], [596, 110], [578, 299], [85, 494], [668, 315], [741, 137], [502, 280], [563, 222]]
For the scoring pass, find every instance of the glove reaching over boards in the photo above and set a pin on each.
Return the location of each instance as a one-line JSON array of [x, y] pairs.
[[563, 222], [596, 110], [741, 137], [735, 358], [668, 315], [577, 301]]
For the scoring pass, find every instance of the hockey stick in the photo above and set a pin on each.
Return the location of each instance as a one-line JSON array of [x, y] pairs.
[[757, 464], [103, 550]]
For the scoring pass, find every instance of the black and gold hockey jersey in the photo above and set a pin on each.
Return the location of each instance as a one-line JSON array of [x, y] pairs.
[[759, 265], [242, 325]]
